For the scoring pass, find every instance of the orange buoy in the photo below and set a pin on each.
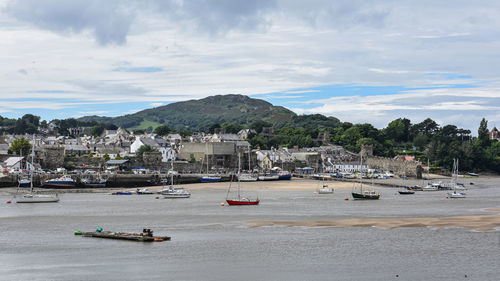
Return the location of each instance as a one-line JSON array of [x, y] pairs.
[[158, 240], [157, 197], [222, 204], [8, 202], [346, 198]]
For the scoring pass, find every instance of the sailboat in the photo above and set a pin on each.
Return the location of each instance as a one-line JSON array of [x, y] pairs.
[[455, 193], [364, 194], [207, 177], [32, 197], [239, 200], [248, 176], [174, 193], [324, 188]]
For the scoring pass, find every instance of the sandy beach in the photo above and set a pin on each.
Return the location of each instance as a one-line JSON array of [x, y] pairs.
[[478, 222]]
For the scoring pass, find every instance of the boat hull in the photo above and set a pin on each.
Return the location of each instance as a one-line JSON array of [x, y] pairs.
[[325, 191], [362, 196], [409, 192], [285, 177], [242, 202], [38, 199], [210, 179], [125, 236], [176, 196], [62, 184]]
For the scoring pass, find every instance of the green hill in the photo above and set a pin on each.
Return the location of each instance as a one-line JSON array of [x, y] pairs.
[[201, 114]]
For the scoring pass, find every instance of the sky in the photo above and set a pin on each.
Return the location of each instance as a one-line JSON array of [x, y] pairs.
[[360, 61]]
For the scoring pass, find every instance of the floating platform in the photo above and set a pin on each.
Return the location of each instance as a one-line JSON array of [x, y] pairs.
[[140, 237]]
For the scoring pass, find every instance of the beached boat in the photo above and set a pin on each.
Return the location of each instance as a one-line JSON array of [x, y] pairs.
[[364, 194], [88, 182], [61, 182], [431, 187], [24, 182], [239, 200], [33, 197], [143, 191], [145, 236], [284, 175], [248, 177], [269, 177], [122, 193]]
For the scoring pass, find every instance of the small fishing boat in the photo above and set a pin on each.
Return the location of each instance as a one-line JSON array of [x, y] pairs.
[[456, 194], [269, 177], [324, 188], [406, 192], [122, 193], [88, 182], [143, 191], [284, 175], [248, 177], [431, 187], [145, 236], [415, 188], [210, 178]]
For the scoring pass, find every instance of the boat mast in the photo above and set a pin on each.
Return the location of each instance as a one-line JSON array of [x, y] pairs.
[[361, 175], [172, 174], [239, 164], [32, 163]]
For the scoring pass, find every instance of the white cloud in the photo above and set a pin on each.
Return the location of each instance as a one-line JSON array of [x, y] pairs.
[[256, 48]]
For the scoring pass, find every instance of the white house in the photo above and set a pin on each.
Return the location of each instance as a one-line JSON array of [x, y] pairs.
[[16, 164], [140, 141]]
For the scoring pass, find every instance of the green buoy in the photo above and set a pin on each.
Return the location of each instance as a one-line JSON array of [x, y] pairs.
[[77, 232]]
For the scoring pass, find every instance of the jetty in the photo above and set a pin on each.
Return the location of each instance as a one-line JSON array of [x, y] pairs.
[[145, 236]]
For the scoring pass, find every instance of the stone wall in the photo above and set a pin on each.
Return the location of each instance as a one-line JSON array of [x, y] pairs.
[[398, 167], [52, 157]]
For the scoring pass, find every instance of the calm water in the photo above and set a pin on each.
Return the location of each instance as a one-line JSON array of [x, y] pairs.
[[211, 242]]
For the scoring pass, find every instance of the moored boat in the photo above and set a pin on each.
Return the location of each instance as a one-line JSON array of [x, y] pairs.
[[210, 178], [94, 183], [364, 194], [145, 236], [24, 182], [239, 200], [406, 192], [143, 191], [269, 177], [61, 182]]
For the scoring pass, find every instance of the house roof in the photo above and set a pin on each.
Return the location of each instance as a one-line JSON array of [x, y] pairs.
[[11, 161], [149, 141]]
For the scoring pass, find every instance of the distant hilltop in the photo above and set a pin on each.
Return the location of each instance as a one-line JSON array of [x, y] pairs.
[[200, 114]]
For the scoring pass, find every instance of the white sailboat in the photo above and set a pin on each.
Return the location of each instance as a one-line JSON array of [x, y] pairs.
[[207, 177], [324, 187], [455, 193], [32, 197], [174, 193]]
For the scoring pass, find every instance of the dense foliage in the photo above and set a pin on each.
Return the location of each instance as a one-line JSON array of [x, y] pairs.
[[20, 146]]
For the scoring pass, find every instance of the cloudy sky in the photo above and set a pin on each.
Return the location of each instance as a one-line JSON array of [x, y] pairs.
[[360, 61]]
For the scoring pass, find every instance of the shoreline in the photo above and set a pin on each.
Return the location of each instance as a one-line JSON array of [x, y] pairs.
[[284, 185]]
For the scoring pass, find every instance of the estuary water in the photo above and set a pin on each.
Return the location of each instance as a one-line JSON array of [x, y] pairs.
[[214, 242]]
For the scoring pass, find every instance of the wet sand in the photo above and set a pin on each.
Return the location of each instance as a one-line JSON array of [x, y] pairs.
[[477, 222]]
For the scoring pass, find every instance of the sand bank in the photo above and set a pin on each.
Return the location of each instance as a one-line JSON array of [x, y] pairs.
[[477, 222]]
